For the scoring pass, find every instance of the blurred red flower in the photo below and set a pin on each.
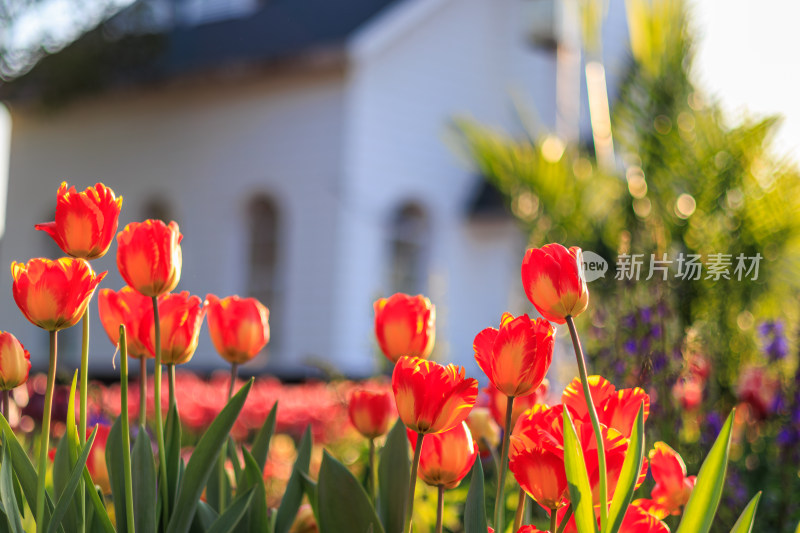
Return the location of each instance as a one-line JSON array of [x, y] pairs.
[[553, 279], [405, 325], [239, 327], [371, 412]]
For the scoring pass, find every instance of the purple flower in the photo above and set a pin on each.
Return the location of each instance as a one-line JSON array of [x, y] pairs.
[[630, 346]]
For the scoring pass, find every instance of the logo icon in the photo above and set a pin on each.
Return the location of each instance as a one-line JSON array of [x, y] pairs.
[[594, 266]]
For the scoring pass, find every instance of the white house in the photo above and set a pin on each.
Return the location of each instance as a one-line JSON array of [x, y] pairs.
[[302, 147]]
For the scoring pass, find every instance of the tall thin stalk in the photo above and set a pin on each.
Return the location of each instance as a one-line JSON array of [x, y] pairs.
[[587, 393], [173, 402], [234, 369], [520, 514], [162, 454], [84, 403], [143, 391], [499, 503], [373, 473], [126, 435], [440, 509], [44, 444], [412, 484], [553, 520]]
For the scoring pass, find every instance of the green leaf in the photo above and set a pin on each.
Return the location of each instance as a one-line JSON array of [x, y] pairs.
[[260, 447], [101, 519], [217, 485], [204, 518], [116, 474], [311, 491], [67, 497], [231, 449], [62, 466], [580, 491], [475, 507], [7, 493], [233, 514], [394, 471], [202, 462], [23, 468], [293, 496], [702, 506], [745, 522], [143, 467], [343, 503], [172, 442], [257, 516], [631, 468]]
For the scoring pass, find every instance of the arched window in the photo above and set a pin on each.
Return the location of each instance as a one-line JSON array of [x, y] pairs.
[[262, 276], [410, 236], [158, 208]]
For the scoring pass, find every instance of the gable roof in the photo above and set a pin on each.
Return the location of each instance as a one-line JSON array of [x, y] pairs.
[[106, 57]]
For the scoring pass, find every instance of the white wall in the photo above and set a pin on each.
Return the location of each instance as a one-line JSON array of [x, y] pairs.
[[448, 58], [206, 147]]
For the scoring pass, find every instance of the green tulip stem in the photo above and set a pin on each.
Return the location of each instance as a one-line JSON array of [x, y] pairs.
[[587, 393], [412, 483], [143, 391], [520, 514], [499, 503], [565, 520], [171, 374], [373, 474], [162, 454], [126, 436], [5, 404], [553, 520], [44, 443], [84, 415], [234, 370], [440, 509]]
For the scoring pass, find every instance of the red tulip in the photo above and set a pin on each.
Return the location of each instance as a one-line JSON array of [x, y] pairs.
[[758, 389], [238, 327], [516, 357], [432, 398], [539, 470], [15, 362], [498, 403], [96, 462], [673, 487], [54, 294], [639, 520], [405, 325], [688, 391], [149, 256], [615, 408], [371, 412], [130, 308], [446, 457], [553, 279], [85, 222], [181, 316]]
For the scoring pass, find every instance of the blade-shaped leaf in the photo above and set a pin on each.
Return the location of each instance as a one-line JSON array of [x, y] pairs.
[[23, 468], [203, 518], [116, 474], [143, 467], [475, 508], [293, 496], [62, 466], [257, 515], [310, 489], [172, 442], [394, 471], [203, 460], [343, 503], [580, 491], [7, 493], [72, 484], [232, 455], [745, 522], [702, 506], [101, 519], [233, 514], [260, 447], [631, 468]]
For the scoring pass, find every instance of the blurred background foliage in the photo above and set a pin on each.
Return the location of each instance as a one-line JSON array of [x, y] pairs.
[[686, 181]]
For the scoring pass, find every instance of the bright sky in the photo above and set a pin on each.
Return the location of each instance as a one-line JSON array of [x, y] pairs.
[[748, 58]]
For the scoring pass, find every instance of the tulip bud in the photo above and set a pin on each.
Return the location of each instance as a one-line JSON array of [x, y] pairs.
[[239, 327], [15, 362], [371, 412], [553, 279], [405, 325], [149, 256], [446, 457]]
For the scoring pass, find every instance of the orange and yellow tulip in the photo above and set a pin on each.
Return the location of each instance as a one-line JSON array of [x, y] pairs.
[[540, 471], [149, 256], [239, 327], [127, 307], [15, 362], [516, 357], [405, 325], [181, 316], [54, 294], [446, 457], [371, 412], [615, 408], [673, 487], [432, 398], [553, 279], [639, 520], [85, 222], [498, 402]]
